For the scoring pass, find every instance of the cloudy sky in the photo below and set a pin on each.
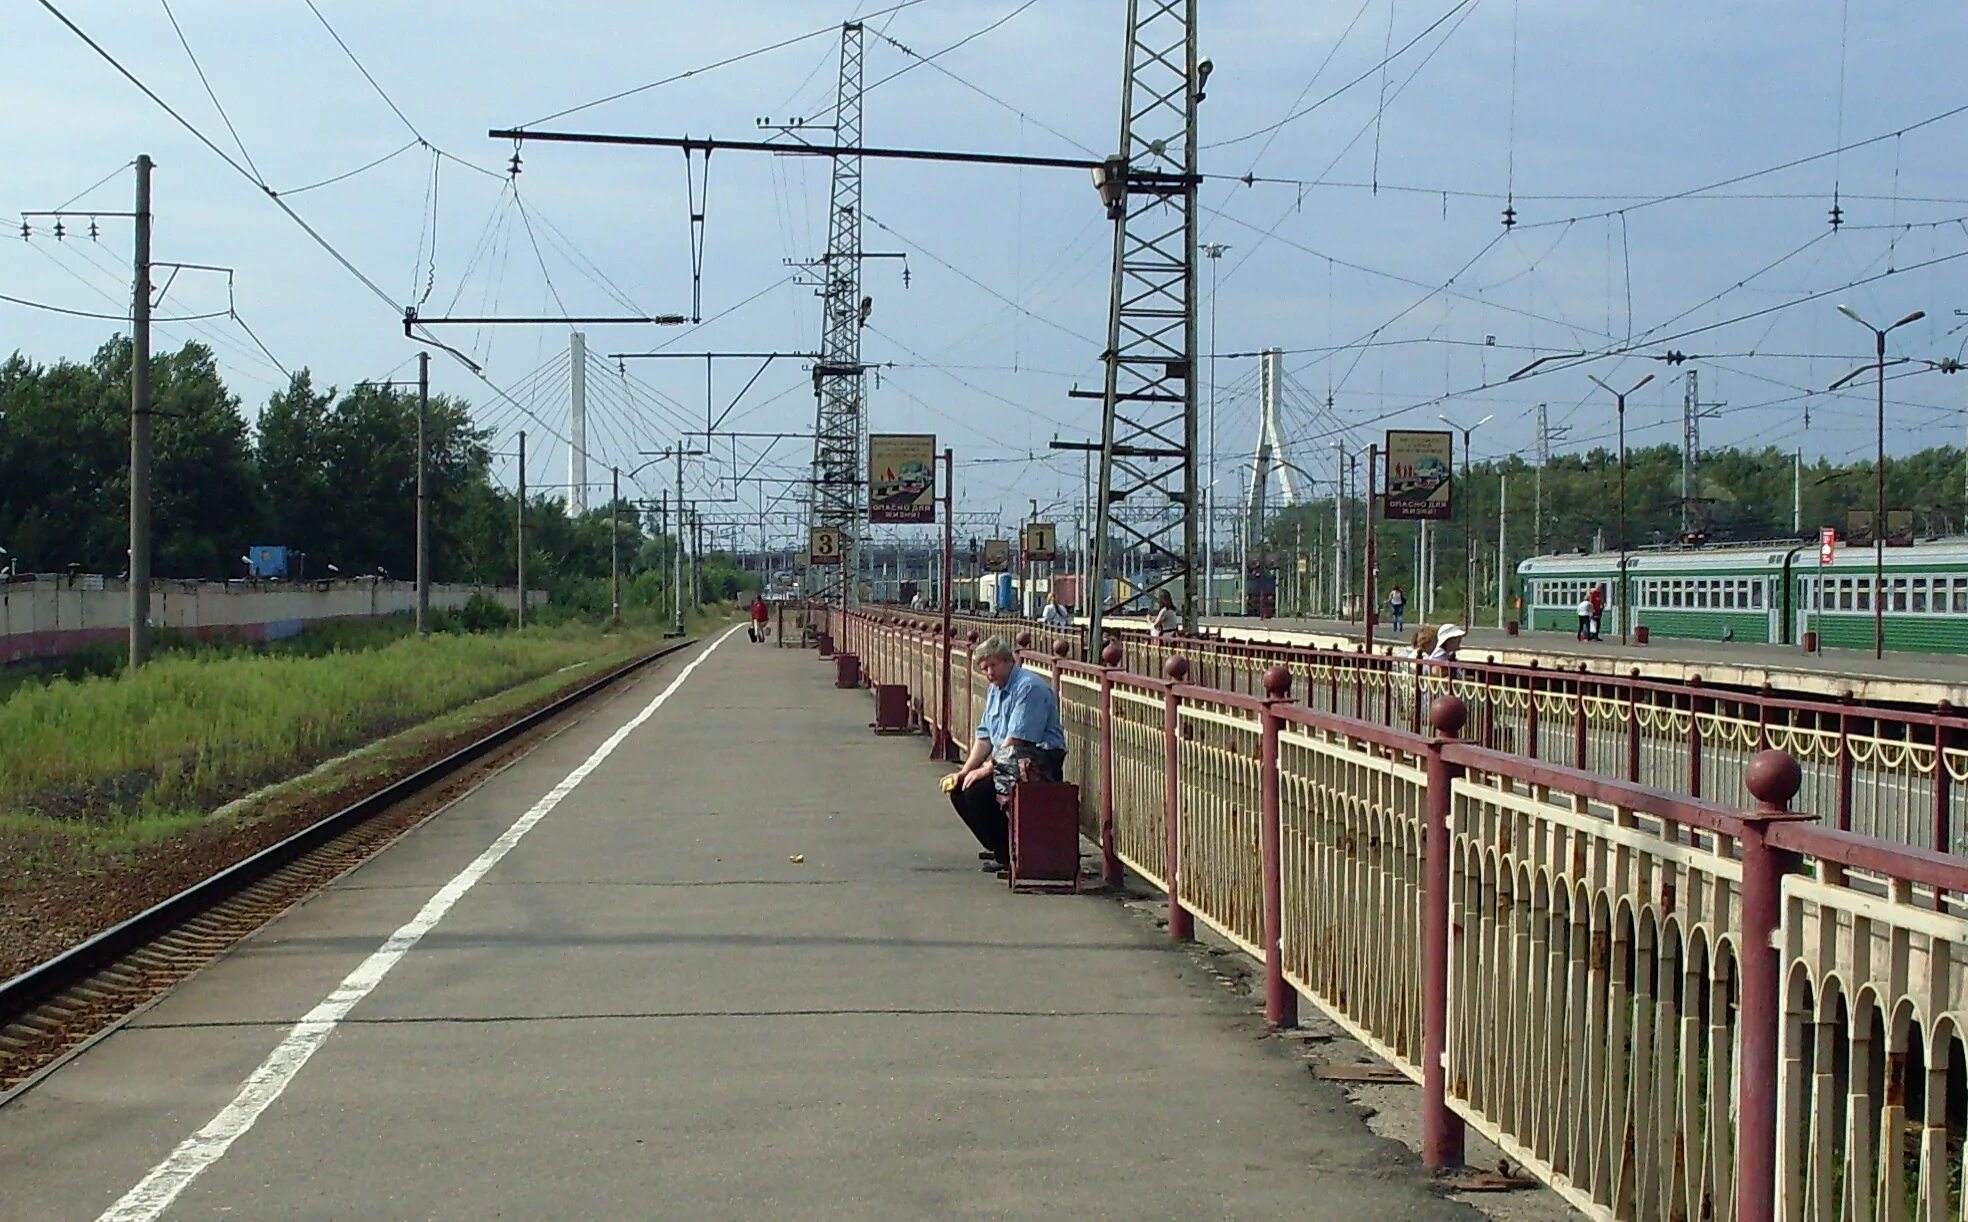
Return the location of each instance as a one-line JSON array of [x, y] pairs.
[[1671, 166]]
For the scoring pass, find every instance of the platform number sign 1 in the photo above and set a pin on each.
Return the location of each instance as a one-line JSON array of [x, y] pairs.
[[1041, 541], [824, 547]]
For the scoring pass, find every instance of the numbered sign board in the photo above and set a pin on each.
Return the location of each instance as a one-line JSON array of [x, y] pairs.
[[824, 545], [1041, 541]]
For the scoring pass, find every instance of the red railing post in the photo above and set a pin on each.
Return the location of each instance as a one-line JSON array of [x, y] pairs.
[[1280, 998], [1531, 713], [1181, 926], [1633, 725], [1579, 746], [1942, 831], [1110, 860], [1773, 778], [1695, 702], [1441, 1128]]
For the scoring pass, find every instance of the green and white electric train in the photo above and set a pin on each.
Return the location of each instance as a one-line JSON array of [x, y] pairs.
[[1766, 592]]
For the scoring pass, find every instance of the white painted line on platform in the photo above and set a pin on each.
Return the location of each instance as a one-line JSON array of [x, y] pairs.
[[154, 1194]]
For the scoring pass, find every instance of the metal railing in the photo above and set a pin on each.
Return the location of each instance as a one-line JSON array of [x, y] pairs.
[[1893, 774], [1665, 1006]]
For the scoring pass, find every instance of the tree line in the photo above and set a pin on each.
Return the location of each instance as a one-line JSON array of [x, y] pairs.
[[326, 471]]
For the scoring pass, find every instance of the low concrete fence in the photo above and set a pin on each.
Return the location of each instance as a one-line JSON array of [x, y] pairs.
[[51, 617]]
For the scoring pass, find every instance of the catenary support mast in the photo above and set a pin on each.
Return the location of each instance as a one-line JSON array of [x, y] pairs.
[[838, 377], [1148, 418]]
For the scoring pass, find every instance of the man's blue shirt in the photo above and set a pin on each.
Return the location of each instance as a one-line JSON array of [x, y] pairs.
[[1025, 708]]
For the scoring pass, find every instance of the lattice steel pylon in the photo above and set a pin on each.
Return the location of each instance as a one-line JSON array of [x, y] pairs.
[[840, 421], [1148, 421]]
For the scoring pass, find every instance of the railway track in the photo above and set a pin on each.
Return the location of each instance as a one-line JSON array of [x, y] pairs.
[[50, 1012]]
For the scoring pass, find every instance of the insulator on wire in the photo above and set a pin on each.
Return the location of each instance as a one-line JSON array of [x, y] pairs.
[[60, 232], [1509, 216], [26, 232], [95, 234]]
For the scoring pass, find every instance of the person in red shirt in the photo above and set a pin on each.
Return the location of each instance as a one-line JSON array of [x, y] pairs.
[[1598, 600], [759, 616]]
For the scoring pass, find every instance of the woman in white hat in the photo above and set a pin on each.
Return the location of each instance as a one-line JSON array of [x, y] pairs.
[[1448, 639]]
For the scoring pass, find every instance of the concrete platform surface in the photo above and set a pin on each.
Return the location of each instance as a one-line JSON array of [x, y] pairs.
[[647, 1008]]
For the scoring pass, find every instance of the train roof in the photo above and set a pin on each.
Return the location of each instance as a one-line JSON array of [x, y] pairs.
[[1744, 556]]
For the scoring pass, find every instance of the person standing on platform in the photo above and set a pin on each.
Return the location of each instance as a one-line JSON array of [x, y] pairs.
[[1397, 607], [1585, 618], [759, 616], [1448, 640], [1598, 600], [1166, 618], [1019, 738], [1056, 614]]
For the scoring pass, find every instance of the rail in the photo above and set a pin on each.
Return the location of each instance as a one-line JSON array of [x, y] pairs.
[[1666, 1006]]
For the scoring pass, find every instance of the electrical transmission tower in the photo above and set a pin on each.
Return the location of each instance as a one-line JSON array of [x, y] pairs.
[[1692, 412], [1148, 418], [840, 422]]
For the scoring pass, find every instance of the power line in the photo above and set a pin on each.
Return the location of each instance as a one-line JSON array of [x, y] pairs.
[[1296, 115], [387, 100], [716, 64], [205, 81]]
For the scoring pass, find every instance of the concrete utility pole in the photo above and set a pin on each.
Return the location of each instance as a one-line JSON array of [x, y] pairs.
[[1469, 525], [140, 427], [519, 533], [615, 547], [423, 493], [677, 536], [1503, 541]]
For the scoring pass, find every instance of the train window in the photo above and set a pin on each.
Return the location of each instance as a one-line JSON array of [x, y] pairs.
[[1919, 602], [1844, 593], [1898, 590], [1756, 595], [1961, 595], [1861, 596]]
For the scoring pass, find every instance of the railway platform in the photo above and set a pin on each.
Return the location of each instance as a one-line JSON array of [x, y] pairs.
[[714, 950], [1922, 679]]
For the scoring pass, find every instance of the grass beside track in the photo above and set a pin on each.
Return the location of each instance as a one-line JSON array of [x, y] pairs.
[[115, 763]]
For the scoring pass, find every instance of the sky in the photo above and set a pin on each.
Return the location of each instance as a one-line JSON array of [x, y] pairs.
[[1671, 168]]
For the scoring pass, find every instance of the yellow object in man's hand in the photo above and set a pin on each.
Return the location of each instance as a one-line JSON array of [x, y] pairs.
[[950, 781]]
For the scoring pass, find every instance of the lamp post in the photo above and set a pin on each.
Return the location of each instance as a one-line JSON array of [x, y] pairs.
[[1214, 252], [1468, 532], [1619, 399], [1879, 471]]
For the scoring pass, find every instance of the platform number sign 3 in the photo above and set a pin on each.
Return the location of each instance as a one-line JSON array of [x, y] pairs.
[[825, 546], [1041, 541]]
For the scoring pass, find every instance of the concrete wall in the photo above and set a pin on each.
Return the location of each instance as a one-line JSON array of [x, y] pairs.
[[52, 616]]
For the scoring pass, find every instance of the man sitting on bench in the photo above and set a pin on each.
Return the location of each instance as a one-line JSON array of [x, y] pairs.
[[1020, 738]]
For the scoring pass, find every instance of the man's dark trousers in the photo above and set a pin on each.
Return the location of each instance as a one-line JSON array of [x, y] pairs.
[[977, 805]]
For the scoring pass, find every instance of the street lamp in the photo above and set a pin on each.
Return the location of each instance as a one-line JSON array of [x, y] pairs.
[[1214, 252], [1468, 534], [1879, 472], [1619, 398]]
